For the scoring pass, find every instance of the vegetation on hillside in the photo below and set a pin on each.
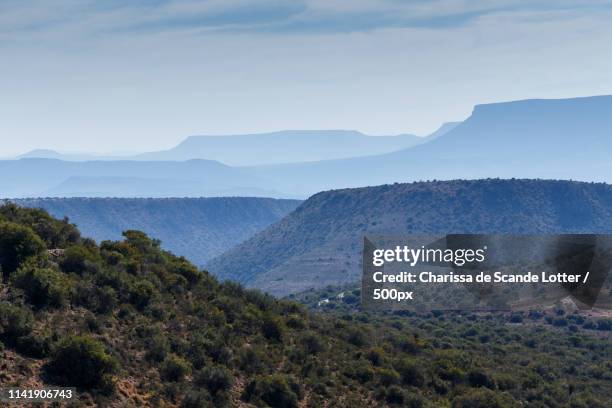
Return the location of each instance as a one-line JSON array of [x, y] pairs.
[[130, 324], [323, 237], [197, 228]]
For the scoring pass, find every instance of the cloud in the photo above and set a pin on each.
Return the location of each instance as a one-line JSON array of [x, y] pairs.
[[107, 75], [294, 16]]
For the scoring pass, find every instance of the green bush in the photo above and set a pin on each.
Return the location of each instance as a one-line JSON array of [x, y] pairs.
[[142, 293], [15, 322], [187, 270], [313, 343], [387, 376], [484, 398], [277, 391], [216, 379], [17, 244], [357, 337], [273, 328], [42, 287], [34, 345], [174, 368], [479, 378], [197, 399], [158, 348], [410, 373], [77, 259], [395, 395], [82, 362], [98, 299]]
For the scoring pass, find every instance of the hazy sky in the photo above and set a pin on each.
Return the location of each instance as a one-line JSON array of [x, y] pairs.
[[106, 76]]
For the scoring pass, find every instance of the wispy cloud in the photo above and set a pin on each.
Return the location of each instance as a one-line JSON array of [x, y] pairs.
[[301, 16], [142, 74]]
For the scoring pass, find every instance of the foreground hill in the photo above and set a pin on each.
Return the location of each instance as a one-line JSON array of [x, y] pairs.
[[131, 325], [319, 243], [197, 228], [552, 139]]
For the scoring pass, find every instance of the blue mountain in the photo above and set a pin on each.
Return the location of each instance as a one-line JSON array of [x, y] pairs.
[[559, 139]]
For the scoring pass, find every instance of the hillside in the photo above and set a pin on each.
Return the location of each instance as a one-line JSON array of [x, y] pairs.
[[131, 325], [551, 139], [197, 228], [319, 243]]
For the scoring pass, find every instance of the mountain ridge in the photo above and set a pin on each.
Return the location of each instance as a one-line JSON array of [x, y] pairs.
[[319, 243], [197, 228], [523, 139]]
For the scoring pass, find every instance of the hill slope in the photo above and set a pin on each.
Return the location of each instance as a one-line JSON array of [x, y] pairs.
[[197, 228], [552, 139], [319, 243], [131, 325]]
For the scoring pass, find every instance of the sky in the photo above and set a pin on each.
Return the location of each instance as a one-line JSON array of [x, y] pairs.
[[116, 76]]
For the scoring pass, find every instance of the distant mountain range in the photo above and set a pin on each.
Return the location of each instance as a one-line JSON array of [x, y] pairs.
[[320, 243], [194, 178], [197, 228], [288, 146], [551, 139]]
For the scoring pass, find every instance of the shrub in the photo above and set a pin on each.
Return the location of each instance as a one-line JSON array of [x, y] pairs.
[[395, 395], [17, 243], [253, 360], [15, 322], [77, 259], [98, 299], [516, 318], [82, 362], [357, 337], [360, 370], [216, 379], [479, 378], [506, 382], [387, 376], [187, 270], [410, 373], [42, 287], [483, 398], [34, 345], [174, 368], [158, 348], [313, 343], [278, 391], [142, 293], [197, 399], [273, 328], [604, 324]]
